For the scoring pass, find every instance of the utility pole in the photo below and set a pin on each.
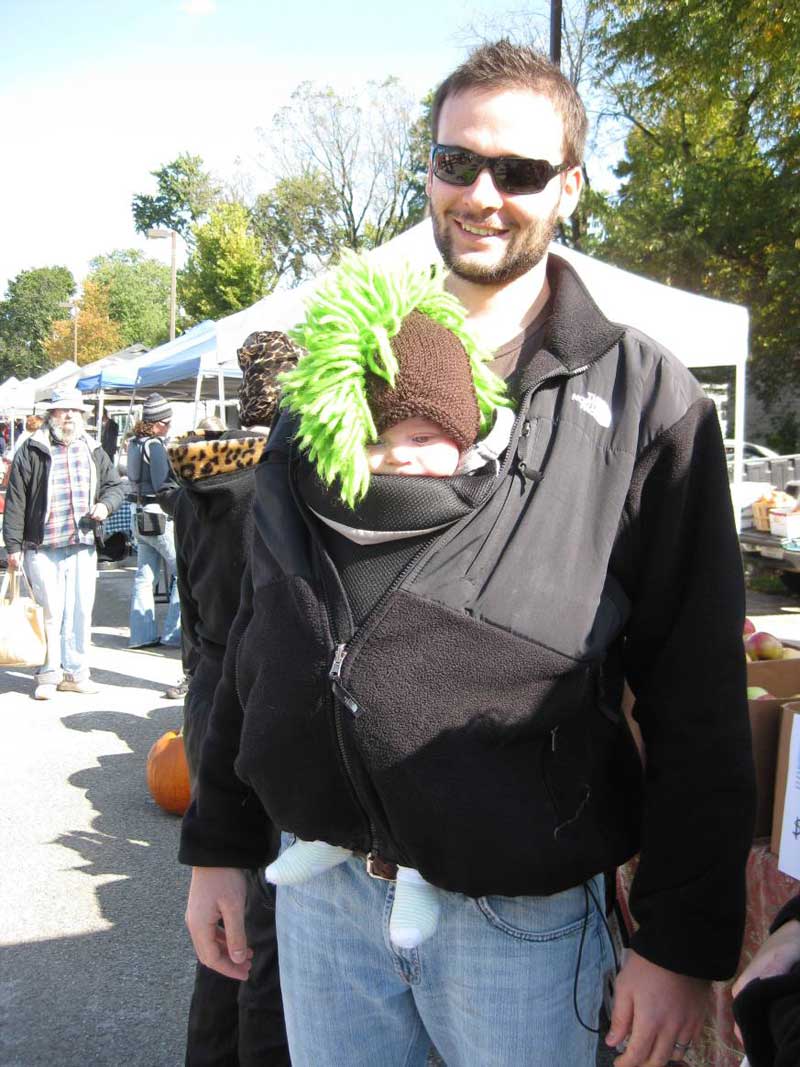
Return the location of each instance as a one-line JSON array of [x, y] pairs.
[[555, 32]]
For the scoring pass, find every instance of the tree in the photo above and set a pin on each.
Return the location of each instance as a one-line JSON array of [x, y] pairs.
[[227, 270], [294, 223], [186, 195], [350, 171], [710, 186], [98, 334], [34, 300], [138, 294]]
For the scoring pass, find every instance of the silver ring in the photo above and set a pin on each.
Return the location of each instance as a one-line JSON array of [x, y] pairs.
[[681, 1046]]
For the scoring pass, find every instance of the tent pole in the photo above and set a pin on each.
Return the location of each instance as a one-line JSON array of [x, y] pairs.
[[221, 388], [197, 390], [100, 407], [738, 436]]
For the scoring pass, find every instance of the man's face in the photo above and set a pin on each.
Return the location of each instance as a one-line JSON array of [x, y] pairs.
[[484, 235], [66, 424]]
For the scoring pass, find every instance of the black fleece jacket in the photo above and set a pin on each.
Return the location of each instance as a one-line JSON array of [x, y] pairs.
[[213, 525], [469, 726]]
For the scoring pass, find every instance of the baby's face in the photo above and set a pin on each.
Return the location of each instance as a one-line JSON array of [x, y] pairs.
[[414, 446]]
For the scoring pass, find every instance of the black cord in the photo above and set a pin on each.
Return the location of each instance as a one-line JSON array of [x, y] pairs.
[[587, 892]]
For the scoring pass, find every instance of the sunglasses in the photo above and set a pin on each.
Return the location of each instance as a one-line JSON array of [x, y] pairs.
[[511, 174]]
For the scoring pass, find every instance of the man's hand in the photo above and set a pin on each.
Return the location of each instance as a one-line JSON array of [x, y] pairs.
[[14, 561], [99, 512], [657, 1011], [219, 893], [775, 956]]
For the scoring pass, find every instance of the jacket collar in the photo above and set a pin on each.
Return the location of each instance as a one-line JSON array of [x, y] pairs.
[[577, 331]]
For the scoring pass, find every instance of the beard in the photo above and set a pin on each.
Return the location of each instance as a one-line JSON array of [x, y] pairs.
[[526, 248], [67, 434]]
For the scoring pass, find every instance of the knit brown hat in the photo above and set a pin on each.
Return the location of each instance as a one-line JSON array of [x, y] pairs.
[[262, 357], [434, 380]]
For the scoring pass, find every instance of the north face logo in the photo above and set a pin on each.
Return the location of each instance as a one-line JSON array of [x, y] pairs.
[[594, 405]]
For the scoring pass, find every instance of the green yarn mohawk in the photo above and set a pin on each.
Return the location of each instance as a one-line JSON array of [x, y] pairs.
[[350, 320]]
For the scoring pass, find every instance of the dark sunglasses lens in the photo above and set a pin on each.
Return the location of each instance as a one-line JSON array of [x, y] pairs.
[[456, 167], [522, 175]]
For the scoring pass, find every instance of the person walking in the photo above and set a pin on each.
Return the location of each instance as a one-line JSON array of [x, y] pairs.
[[471, 726], [154, 488], [61, 485]]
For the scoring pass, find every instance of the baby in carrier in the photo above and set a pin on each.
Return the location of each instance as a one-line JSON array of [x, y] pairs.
[[401, 425]]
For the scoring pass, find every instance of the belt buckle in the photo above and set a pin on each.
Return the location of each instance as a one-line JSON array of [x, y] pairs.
[[380, 869]]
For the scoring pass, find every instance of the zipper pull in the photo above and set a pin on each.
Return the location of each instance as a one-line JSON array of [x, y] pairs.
[[338, 659], [335, 674]]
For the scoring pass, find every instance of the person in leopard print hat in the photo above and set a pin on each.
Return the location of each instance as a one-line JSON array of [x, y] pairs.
[[216, 472]]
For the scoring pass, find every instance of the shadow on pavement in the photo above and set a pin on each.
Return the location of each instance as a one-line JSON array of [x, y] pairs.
[[120, 995]]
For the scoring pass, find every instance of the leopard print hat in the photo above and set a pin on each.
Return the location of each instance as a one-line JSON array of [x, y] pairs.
[[262, 357]]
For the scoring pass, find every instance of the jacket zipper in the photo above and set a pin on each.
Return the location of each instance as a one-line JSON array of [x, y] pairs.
[[346, 699]]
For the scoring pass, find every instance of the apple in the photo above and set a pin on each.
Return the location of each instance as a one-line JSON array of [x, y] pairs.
[[762, 645], [757, 692], [749, 627]]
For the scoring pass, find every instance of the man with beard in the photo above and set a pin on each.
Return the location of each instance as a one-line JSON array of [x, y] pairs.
[[62, 483], [606, 552]]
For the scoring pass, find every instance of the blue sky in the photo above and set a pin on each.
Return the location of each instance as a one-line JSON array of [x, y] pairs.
[[95, 95]]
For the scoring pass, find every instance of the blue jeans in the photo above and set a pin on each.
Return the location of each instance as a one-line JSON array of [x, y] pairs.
[[63, 581], [493, 987], [150, 551]]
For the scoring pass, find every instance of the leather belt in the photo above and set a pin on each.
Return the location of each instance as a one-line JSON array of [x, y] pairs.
[[377, 867]]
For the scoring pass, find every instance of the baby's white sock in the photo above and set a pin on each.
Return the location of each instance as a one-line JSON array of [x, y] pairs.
[[415, 911], [304, 860]]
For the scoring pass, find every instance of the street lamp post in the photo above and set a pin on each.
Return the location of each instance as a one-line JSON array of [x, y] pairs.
[[555, 32], [173, 276]]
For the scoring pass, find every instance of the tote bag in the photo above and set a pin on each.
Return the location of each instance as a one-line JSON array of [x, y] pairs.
[[22, 637]]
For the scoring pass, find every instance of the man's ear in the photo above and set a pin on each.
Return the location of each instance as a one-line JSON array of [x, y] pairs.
[[570, 191]]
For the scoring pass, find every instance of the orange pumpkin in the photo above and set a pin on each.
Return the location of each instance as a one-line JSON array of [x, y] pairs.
[[168, 773]]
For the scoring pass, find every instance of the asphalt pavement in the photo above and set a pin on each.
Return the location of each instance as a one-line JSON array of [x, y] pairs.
[[96, 967]]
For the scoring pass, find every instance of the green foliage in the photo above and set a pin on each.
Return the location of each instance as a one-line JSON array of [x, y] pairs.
[[138, 294], [295, 224], [34, 300], [785, 434], [227, 270], [710, 186], [186, 194]]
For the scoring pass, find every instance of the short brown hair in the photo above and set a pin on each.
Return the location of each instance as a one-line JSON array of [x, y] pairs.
[[504, 65]]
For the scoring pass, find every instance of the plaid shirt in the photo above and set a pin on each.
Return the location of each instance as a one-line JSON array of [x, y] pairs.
[[70, 479]]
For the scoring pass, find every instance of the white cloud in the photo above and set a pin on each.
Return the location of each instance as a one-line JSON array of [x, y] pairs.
[[199, 7]]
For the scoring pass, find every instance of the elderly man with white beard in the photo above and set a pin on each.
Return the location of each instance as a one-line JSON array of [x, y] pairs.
[[61, 484]]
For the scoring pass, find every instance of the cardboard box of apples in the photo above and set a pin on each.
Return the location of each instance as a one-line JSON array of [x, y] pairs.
[[773, 679]]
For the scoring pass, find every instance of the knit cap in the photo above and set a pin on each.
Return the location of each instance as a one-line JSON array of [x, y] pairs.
[[382, 346], [156, 409], [263, 356], [434, 380]]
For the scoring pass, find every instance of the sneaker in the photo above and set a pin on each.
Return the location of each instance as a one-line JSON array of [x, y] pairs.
[[86, 688], [177, 692], [44, 691]]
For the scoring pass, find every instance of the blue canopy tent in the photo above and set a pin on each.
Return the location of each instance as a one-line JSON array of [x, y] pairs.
[[183, 369]]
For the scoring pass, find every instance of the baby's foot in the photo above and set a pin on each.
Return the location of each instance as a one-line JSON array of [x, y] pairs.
[[415, 911], [304, 860]]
